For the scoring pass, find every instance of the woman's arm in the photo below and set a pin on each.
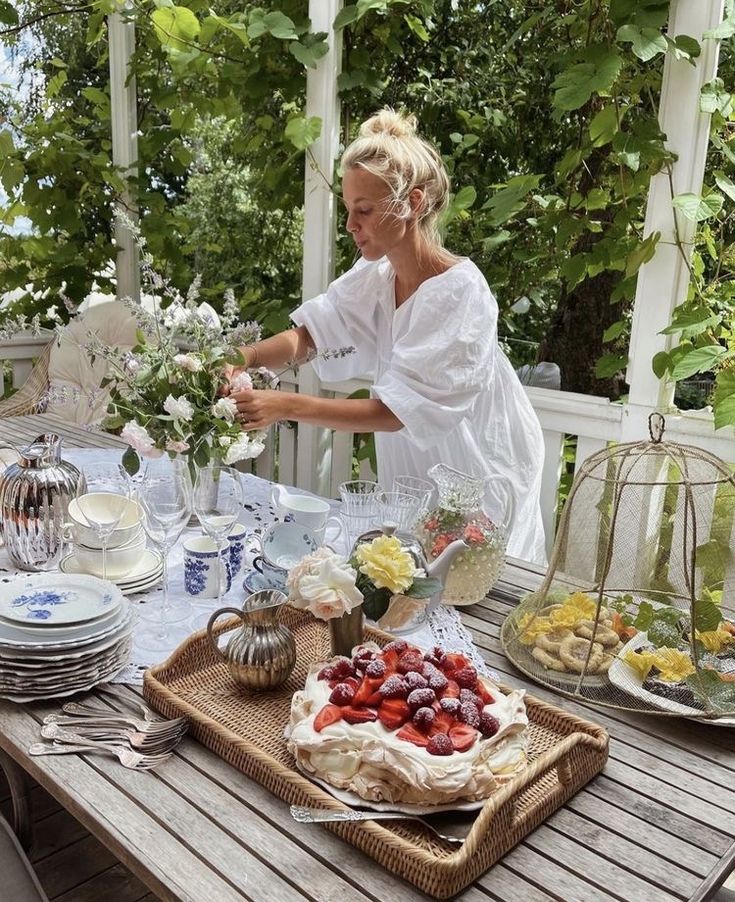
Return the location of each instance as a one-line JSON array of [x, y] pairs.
[[291, 346], [258, 409]]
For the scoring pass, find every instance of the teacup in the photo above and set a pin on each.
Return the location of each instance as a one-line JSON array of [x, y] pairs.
[[121, 559], [203, 565], [236, 538], [306, 509], [81, 532], [255, 581], [284, 544]]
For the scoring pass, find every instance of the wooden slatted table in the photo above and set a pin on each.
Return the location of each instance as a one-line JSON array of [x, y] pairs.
[[657, 825]]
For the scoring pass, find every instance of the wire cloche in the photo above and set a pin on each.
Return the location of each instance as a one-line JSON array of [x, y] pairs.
[[637, 607]]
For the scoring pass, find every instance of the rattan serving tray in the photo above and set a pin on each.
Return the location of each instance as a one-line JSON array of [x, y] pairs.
[[246, 729]]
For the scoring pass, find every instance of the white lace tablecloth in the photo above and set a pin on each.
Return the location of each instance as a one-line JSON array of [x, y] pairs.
[[443, 627]]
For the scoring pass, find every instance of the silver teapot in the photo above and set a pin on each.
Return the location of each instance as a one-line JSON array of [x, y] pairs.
[[34, 497], [262, 654]]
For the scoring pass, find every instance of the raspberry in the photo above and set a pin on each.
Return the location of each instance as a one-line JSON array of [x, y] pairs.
[[410, 661], [415, 680], [420, 697], [450, 705], [397, 645], [466, 677], [469, 714], [343, 668], [394, 687], [342, 694], [467, 695], [438, 682], [440, 744], [361, 659], [435, 656], [424, 718], [489, 725], [375, 669]]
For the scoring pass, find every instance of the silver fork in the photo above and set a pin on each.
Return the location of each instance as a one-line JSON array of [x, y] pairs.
[[101, 715], [306, 815], [126, 756], [144, 742], [145, 711]]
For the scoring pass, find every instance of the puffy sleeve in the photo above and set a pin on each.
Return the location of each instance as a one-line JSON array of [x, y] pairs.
[[444, 359], [345, 316]]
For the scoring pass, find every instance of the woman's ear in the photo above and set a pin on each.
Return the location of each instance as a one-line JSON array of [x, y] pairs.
[[416, 200]]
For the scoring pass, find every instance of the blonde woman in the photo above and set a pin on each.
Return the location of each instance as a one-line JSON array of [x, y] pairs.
[[423, 323]]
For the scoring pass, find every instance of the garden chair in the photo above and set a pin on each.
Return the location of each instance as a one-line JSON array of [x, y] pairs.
[[65, 380]]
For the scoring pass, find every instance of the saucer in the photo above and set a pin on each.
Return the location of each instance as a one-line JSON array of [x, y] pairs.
[[256, 582], [149, 564]]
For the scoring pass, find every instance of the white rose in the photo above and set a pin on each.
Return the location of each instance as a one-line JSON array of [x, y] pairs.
[[178, 447], [225, 409], [241, 382], [246, 446], [329, 591], [179, 408], [139, 440], [187, 362], [225, 441]]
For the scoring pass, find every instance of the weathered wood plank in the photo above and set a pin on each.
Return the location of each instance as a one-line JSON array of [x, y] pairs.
[[116, 884]]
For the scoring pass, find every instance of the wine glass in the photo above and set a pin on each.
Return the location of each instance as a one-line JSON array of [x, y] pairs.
[[105, 501], [218, 500], [165, 497]]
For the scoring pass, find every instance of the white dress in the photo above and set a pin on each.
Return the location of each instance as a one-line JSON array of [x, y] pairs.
[[436, 363]]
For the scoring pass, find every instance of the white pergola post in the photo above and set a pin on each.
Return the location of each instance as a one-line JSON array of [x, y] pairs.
[[314, 443], [124, 115], [663, 281]]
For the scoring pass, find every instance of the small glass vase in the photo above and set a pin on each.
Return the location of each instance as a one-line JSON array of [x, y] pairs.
[[345, 632]]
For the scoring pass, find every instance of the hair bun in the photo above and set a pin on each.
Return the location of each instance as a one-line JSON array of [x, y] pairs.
[[389, 122]]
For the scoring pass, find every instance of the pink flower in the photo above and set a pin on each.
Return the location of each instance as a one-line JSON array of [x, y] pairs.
[[241, 382], [474, 535], [139, 440], [178, 447]]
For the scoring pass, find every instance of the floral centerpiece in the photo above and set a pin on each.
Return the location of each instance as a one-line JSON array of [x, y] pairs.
[[380, 577]]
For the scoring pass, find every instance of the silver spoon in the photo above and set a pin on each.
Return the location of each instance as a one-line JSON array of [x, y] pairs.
[[452, 831]]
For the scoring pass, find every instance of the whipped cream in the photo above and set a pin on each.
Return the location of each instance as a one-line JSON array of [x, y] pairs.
[[371, 761]]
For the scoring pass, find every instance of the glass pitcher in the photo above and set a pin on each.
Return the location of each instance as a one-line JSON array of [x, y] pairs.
[[459, 515]]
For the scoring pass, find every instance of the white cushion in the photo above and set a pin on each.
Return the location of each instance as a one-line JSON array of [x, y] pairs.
[[74, 380]]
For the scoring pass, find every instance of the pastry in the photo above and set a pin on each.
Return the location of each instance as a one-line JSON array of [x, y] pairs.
[[399, 726], [574, 653]]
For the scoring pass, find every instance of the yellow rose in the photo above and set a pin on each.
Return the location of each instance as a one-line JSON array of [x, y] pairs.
[[386, 564], [715, 640]]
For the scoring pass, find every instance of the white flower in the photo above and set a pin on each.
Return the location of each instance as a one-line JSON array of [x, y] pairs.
[[324, 583], [187, 362], [241, 382], [177, 446], [225, 409], [179, 408], [139, 440], [245, 446], [225, 441]]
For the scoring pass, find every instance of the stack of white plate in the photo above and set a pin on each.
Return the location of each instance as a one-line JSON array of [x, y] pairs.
[[60, 634], [146, 573]]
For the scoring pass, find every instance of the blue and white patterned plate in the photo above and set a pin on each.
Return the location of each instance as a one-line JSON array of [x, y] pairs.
[[55, 599]]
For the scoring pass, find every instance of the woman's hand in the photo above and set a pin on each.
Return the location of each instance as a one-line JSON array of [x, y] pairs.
[[260, 408]]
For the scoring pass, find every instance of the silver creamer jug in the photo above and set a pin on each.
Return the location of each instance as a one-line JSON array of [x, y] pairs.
[[34, 497]]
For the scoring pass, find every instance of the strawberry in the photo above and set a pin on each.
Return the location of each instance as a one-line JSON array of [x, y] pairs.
[[358, 715], [451, 690], [390, 659], [409, 733], [393, 713], [328, 714], [443, 723], [463, 737], [453, 661], [485, 695], [364, 692], [466, 677]]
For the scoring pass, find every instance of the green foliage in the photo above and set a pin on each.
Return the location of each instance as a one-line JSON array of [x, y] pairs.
[[546, 119]]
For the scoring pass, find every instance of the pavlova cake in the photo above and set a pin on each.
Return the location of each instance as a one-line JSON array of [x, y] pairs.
[[396, 725]]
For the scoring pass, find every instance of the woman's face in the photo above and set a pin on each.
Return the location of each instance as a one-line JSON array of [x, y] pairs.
[[374, 226]]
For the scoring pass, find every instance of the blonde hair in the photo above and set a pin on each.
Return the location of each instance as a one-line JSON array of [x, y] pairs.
[[389, 147]]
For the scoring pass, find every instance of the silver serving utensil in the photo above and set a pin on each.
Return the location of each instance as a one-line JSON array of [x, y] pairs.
[[126, 756], [142, 742], [452, 830]]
